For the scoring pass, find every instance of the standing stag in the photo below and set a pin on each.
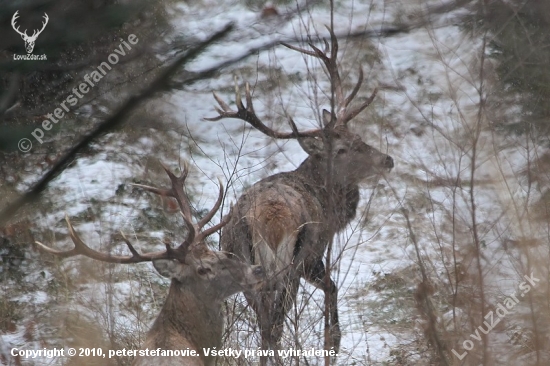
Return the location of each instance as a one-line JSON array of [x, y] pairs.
[[286, 221], [191, 318]]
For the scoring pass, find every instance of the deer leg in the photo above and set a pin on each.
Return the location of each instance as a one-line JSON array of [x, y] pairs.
[[280, 307], [259, 302], [271, 308], [284, 301], [263, 305], [315, 275]]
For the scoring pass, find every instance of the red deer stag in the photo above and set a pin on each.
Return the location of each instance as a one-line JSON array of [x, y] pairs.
[[286, 221], [191, 317]]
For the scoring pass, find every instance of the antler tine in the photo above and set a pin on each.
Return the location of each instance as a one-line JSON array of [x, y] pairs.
[[14, 19], [356, 88], [327, 46], [176, 191], [247, 114], [248, 98], [155, 190], [238, 100], [80, 248], [211, 230], [336, 81], [354, 112], [206, 219], [292, 124], [225, 108], [295, 129], [133, 250], [183, 202], [334, 43], [317, 53]]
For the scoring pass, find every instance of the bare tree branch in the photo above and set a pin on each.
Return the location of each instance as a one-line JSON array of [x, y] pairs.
[[161, 83]]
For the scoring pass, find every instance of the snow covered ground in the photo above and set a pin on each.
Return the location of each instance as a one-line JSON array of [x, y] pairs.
[[434, 105]]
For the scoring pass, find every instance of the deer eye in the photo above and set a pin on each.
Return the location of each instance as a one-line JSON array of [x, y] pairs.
[[202, 271]]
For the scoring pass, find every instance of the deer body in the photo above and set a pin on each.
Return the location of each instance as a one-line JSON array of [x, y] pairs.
[[277, 209], [285, 222], [191, 317], [185, 322]]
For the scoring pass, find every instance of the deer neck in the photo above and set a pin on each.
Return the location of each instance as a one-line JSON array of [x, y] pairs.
[[313, 172], [188, 313], [344, 198]]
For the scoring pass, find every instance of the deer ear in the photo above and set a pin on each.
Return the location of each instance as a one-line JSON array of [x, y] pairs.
[[164, 267], [169, 268], [205, 272], [327, 116], [312, 145]]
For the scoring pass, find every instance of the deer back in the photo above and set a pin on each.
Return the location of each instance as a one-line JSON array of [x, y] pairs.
[[266, 221]]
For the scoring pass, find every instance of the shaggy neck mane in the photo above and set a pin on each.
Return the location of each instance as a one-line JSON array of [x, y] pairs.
[[187, 314], [345, 196]]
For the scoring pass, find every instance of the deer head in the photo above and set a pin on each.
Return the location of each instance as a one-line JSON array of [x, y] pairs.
[[217, 274], [29, 40], [352, 159]]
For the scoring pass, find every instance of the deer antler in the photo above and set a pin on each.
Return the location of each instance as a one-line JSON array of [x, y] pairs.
[[176, 191], [343, 115], [329, 58], [195, 235], [248, 115], [80, 248]]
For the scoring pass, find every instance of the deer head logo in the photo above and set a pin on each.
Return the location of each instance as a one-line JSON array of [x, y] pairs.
[[29, 40]]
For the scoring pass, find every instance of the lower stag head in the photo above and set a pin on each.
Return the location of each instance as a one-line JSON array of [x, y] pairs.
[[214, 275]]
